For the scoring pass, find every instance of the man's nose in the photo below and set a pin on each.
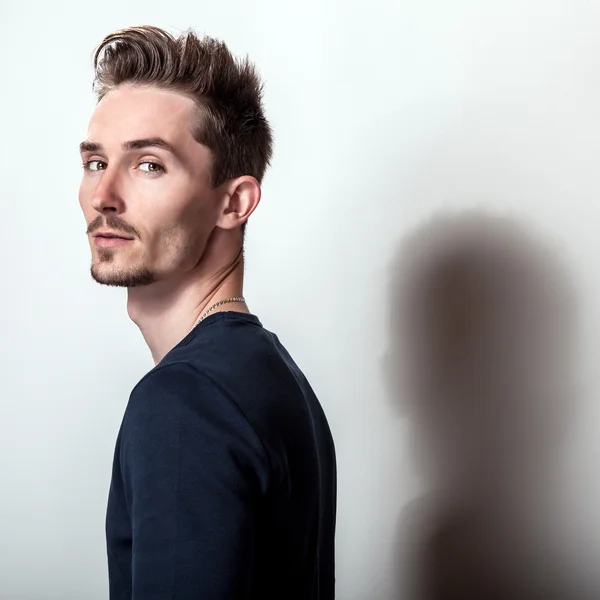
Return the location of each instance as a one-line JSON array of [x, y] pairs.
[[106, 198]]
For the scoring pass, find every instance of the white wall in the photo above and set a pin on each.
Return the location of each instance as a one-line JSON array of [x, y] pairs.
[[383, 112]]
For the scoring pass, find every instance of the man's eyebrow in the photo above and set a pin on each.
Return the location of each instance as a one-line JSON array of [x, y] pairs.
[[90, 147], [155, 142]]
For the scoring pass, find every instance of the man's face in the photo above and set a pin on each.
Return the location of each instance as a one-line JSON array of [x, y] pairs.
[[145, 193]]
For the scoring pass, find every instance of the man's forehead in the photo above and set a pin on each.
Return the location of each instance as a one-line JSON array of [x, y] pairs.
[[134, 112]]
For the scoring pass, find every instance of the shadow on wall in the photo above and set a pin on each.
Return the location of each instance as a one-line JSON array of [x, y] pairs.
[[481, 363]]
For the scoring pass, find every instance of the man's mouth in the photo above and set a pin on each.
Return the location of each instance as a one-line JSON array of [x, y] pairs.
[[110, 239]]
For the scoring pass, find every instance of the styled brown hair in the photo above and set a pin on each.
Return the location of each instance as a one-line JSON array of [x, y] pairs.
[[227, 90]]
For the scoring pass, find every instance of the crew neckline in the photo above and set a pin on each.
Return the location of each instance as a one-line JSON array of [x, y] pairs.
[[225, 315]]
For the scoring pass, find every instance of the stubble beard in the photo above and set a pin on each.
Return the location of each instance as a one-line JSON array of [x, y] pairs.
[[134, 277]]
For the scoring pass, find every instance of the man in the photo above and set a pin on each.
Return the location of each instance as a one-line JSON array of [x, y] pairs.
[[224, 477]]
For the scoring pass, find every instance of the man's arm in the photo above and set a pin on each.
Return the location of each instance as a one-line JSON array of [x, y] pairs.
[[194, 471]]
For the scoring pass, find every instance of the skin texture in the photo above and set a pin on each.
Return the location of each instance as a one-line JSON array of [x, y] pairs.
[[147, 181]]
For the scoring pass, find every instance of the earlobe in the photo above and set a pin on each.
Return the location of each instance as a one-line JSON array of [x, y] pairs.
[[242, 197]]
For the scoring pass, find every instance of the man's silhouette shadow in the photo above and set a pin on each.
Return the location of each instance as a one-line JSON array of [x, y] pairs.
[[481, 363]]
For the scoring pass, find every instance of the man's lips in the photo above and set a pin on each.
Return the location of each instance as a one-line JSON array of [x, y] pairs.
[[105, 233], [110, 239]]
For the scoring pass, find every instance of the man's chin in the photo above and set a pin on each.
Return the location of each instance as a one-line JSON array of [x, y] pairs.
[[119, 278]]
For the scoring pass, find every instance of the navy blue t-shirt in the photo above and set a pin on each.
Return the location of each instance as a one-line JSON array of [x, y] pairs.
[[224, 477]]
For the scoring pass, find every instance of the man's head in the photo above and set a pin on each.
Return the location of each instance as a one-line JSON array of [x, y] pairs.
[[176, 150]]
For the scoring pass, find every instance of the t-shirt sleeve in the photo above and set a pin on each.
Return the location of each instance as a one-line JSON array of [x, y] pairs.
[[194, 471]]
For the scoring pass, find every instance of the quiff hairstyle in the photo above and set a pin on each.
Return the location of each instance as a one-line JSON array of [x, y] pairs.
[[227, 90]]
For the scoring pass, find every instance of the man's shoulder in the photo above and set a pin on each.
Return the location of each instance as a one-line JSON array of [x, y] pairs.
[[173, 376], [176, 412], [179, 391], [240, 357], [177, 394], [240, 370]]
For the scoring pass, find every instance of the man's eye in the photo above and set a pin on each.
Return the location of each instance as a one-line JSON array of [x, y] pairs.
[[94, 165], [151, 167]]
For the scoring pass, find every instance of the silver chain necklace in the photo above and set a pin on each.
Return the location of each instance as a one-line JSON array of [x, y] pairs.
[[216, 305]]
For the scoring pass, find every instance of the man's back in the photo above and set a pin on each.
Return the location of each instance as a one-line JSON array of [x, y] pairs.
[[224, 475]]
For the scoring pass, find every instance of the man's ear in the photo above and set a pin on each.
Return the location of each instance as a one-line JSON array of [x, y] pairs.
[[241, 197]]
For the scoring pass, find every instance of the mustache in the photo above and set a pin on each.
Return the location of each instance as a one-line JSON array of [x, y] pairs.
[[112, 222]]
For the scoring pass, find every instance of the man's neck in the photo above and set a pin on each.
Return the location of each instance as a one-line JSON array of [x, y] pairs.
[[167, 311]]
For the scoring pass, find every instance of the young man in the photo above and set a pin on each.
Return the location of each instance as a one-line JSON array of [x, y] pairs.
[[224, 477]]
